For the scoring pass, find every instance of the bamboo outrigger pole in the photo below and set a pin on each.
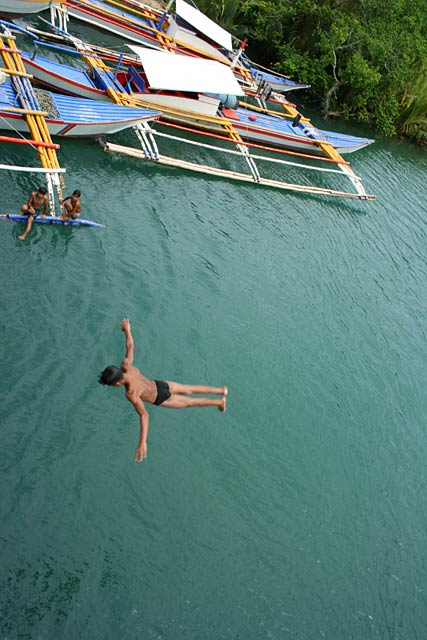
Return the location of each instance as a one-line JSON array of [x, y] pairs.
[[33, 115], [234, 175]]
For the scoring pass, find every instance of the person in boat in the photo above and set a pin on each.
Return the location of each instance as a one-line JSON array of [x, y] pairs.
[[72, 204], [36, 202], [140, 389]]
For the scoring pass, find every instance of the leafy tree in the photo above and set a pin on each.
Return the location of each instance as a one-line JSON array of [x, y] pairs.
[[413, 115], [364, 58]]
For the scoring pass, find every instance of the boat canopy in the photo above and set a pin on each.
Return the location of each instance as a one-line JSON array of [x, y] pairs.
[[203, 24], [173, 72]]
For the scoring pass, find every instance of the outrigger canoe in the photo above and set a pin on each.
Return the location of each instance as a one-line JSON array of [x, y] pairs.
[[68, 116], [78, 222], [189, 91]]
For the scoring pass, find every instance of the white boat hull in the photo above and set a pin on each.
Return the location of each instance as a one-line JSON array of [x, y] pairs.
[[62, 84], [127, 33], [18, 7]]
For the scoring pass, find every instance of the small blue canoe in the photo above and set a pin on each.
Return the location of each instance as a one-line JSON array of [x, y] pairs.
[[78, 222]]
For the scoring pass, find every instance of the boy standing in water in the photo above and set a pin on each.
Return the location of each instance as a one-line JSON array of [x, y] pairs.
[[168, 394], [32, 209], [73, 207]]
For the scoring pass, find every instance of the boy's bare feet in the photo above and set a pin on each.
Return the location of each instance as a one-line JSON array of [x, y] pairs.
[[222, 407]]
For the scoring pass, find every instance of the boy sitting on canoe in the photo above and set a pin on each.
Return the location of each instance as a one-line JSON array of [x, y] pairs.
[[32, 209], [168, 394], [73, 207]]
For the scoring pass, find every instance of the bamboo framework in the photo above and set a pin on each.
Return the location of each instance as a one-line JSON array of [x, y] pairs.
[[34, 117], [220, 128]]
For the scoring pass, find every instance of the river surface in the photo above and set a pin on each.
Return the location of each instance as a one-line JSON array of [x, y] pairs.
[[301, 512]]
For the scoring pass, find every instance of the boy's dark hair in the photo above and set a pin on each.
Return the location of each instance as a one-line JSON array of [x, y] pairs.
[[77, 193], [110, 375], [42, 190]]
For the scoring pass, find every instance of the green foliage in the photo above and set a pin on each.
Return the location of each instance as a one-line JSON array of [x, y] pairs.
[[413, 116], [223, 12], [364, 58]]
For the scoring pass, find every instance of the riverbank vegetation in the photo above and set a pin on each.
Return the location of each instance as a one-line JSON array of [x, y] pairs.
[[365, 59]]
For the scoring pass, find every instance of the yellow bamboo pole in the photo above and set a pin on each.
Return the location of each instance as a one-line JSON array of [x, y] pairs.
[[20, 74], [35, 119], [32, 112]]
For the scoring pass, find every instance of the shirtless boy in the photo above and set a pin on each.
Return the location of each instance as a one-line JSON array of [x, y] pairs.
[[140, 389], [72, 204], [32, 209]]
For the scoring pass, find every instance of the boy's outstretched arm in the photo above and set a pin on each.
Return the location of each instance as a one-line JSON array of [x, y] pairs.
[[125, 327], [141, 450]]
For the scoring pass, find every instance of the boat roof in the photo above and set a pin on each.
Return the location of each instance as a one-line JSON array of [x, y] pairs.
[[174, 72], [203, 24]]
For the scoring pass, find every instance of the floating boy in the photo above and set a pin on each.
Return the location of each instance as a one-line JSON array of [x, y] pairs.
[[140, 389]]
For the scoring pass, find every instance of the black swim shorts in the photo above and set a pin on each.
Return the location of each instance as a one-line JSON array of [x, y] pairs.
[[163, 391]]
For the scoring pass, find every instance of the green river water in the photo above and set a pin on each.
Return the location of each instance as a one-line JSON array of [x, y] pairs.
[[300, 513]]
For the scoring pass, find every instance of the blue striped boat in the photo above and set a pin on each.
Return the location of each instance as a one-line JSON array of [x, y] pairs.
[[70, 116]]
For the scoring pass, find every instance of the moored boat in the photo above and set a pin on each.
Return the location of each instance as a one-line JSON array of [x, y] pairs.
[[190, 91], [68, 116], [219, 126]]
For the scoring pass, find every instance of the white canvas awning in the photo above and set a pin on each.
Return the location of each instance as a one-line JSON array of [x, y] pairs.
[[203, 24], [173, 72]]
